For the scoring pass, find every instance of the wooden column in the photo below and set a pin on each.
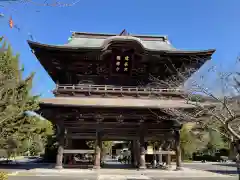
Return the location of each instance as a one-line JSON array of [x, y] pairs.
[[60, 138], [168, 159], [101, 151], [67, 157], [136, 153], [154, 156], [132, 154], [178, 150], [142, 161], [97, 160], [160, 157]]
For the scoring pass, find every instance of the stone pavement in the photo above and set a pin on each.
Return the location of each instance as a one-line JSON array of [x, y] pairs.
[[94, 178], [120, 174]]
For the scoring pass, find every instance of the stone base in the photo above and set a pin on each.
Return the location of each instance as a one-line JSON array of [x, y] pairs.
[[58, 167], [142, 167], [96, 167], [178, 169], [168, 167]]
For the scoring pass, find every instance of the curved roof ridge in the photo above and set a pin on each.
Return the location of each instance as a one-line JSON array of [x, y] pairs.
[[155, 44], [76, 34]]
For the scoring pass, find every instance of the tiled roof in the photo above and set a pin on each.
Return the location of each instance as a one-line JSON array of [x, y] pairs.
[[100, 41], [97, 41]]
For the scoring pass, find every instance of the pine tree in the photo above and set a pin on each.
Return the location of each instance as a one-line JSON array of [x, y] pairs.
[[15, 98]]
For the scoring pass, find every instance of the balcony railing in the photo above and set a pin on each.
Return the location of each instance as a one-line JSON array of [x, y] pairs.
[[108, 89]]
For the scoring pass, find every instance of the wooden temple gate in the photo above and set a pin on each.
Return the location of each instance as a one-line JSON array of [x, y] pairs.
[[102, 119], [106, 90]]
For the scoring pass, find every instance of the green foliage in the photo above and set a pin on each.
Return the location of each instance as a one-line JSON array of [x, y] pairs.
[[201, 141], [15, 97], [3, 153], [19, 132], [106, 146], [3, 176], [11, 146], [215, 143], [195, 98], [191, 140], [188, 142], [50, 150]]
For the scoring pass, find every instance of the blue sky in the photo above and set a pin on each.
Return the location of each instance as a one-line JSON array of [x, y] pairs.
[[189, 24]]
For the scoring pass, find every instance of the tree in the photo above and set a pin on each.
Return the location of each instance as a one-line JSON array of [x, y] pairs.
[[189, 141], [7, 6], [15, 98], [12, 146], [107, 146], [34, 135], [215, 141], [210, 111]]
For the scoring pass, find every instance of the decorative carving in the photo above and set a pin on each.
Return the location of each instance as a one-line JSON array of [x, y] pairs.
[[86, 82], [139, 70], [80, 118], [99, 118], [101, 69], [88, 69], [120, 118], [142, 120]]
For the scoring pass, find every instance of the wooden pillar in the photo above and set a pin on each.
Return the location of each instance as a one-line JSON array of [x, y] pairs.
[[132, 154], [101, 151], [168, 159], [60, 138], [142, 161], [178, 150], [160, 157], [68, 157], [135, 153], [154, 156], [97, 160]]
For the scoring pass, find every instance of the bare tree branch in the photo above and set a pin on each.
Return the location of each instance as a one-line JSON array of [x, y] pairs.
[[221, 110]]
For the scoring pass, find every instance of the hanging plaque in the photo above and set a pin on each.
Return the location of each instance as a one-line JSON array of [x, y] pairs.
[[122, 63]]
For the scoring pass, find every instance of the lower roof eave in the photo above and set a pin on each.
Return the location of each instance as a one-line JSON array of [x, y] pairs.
[[118, 103], [33, 45]]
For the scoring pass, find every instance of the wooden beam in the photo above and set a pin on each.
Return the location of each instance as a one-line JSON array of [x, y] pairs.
[[86, 124], [78, 151], [120, 131], [123, 134], [115, 137]]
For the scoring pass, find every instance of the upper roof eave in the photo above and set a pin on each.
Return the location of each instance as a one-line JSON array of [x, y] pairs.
[[33, 44]]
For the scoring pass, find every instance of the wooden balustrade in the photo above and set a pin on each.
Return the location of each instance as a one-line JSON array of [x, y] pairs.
[[108, 89]]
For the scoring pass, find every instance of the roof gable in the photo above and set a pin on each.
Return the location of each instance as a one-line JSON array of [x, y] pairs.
[[90, 40]]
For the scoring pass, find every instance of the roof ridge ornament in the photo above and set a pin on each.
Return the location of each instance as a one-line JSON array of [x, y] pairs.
[[70, 39], [124, 33]]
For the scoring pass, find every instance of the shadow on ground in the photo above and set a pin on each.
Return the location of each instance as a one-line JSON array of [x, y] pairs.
[[21, 166], [226, 164], [225, 172], [224, 168]]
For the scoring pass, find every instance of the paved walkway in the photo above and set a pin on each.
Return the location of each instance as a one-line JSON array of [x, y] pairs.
[[120, 174]]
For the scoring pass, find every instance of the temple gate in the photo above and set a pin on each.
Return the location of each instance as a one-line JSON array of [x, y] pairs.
[[106, 89]]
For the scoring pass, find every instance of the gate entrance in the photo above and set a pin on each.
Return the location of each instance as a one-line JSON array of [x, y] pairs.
[[108, 88]]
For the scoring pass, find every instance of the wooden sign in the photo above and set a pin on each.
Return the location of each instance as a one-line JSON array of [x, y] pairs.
[[122, 63]]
